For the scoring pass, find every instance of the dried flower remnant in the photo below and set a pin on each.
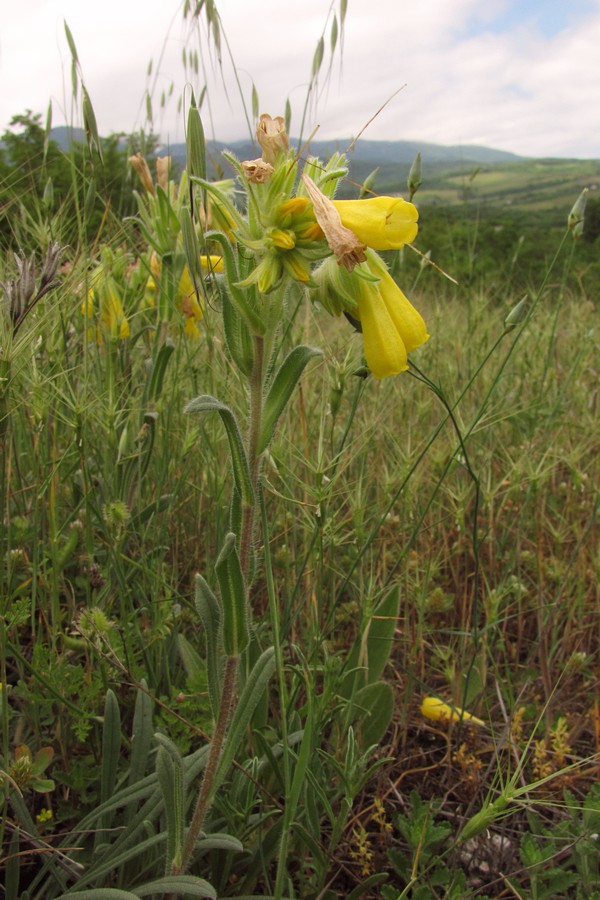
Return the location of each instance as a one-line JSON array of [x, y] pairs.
[[22, 292], [348, 248], [257, 171], [140, 167], [272, 137], [163, 168]]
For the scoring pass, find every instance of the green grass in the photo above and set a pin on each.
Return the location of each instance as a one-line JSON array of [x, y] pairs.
[[349, 516]]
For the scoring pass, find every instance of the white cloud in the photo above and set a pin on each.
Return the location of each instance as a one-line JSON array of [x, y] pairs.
[[515, 89]]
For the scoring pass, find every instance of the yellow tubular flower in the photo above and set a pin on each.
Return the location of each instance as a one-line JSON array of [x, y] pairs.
[[383, 223], [435, 709], [189, 305], [391, 325], [112, 312]]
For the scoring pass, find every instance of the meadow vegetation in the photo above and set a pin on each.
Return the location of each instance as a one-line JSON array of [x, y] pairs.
[[413, 613]]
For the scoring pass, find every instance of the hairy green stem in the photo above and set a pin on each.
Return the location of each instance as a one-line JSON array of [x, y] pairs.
[[207, 785]]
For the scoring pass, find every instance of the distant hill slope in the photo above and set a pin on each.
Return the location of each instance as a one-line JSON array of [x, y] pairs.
[[378, 153], [493, 178]]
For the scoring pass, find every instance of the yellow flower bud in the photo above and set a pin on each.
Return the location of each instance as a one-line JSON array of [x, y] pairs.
[[284, 240], [294, 206]]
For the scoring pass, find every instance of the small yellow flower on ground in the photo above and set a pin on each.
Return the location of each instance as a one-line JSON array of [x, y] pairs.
[[435, 709]]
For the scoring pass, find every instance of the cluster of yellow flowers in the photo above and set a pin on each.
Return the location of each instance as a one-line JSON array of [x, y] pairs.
[[295, 229], [291, 230]]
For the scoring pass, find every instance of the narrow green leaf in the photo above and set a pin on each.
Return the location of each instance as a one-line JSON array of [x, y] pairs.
[[281, 390], [194, 667], [159, 368], [99, 894], [241, 470], [254, 688], [111, 745], [12, 868], [169, 768], [237, 335], [364, 889], [380, 639], [218, 842], [234, 601], [141, 736], [300, 768], [254, 102], [209, 610], [182, 885], [374, 709]]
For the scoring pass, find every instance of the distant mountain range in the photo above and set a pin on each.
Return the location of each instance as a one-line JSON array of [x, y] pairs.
[[373, 153]]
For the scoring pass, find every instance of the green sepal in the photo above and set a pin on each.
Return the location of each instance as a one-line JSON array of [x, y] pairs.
[[234, 604], [282, 389], [169, 769], [239, 460], [209, 610]]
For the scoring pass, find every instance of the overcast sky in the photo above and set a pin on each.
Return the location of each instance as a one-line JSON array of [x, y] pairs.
[[518, 75]]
